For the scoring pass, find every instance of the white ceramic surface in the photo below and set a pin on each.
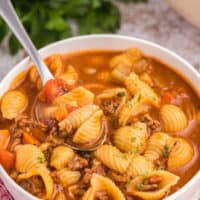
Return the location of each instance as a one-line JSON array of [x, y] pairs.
[[190, 9], [108, 42]]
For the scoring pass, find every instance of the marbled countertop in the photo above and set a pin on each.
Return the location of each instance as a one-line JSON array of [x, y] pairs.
[[155, 21]]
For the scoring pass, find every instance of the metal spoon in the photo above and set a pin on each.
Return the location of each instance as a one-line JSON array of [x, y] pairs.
[[8, 13]]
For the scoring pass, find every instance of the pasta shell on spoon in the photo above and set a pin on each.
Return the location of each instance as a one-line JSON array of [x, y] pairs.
[[80, 95], [13, 103], [90, 129], [77, 117]]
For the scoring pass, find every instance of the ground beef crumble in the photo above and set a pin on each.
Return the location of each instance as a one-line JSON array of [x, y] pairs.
[[51, 138], [76, 191], [123, 178], [23, 121], [48, 153], [102, 195], [109, 106], [161, 163], [78, 163], [152, 124], [128, 197], [34, 185], [17, 135], [88, 172]]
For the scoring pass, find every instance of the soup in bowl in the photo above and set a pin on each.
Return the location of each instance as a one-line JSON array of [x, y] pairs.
[[121, 89]]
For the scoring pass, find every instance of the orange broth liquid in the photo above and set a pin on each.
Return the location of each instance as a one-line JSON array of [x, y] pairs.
[[99, 59]]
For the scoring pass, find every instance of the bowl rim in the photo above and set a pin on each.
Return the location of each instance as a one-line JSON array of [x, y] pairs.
[[47, 48]]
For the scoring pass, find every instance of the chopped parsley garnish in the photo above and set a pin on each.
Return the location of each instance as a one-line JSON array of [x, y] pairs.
[[133, 139], [121, 94], [122, 156], [125, 156], [140, 187], [40, 159], [139, 97], [129, 104], [137, 126], [166, 151], [132, 151], [159, 168], [144, 174]]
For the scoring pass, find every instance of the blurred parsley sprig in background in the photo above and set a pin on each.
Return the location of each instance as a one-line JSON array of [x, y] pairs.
[[48, 20]]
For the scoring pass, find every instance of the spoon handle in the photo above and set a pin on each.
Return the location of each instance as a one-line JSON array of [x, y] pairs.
[[9, 15]]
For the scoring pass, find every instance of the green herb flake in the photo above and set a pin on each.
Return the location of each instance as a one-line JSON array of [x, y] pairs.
[[144, 174], [137, 127], [132, 151], [125, 156], [129, 104], [159, 168], [140, 187], [121, 94], [40, 159], [139, 97], [133, 139], [166, 151]]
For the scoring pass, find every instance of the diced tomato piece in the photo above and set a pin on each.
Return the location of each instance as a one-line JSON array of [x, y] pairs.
[[181, 90], [72, 108], [4, 138], [168, 98], [7, 159], [52, 89]]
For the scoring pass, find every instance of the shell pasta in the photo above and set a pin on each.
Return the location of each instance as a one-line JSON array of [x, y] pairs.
[[131, 138], [113, 158], [173, 118], [112, 125]]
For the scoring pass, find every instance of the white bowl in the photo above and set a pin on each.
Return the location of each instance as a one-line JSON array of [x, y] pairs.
[[108, 42]]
